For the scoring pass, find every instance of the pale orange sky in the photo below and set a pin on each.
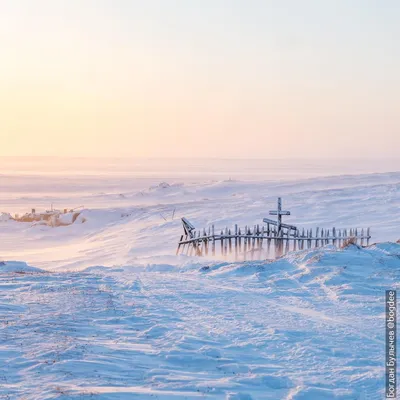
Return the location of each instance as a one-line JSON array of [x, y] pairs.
[[199, 78]]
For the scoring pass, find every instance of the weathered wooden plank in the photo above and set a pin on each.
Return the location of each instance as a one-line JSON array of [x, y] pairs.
[[261, 240], [279, 213], [205, 242], [188, 245], [245, 243], [268, 240], [213, 240], [191, 247], [226, 242], [249, 242], [236, 241], [199, 247], [253, 244], [287, 249], [179, 245], [272, 222]]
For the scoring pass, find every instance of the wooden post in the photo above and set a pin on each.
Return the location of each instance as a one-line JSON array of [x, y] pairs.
[[240, 241], [191, 245], [276, 241], [230, 241], [261, 241], [199, 245], [205, 242], [273, 239], [249, 241], [253, 240], [226, 241], [287, 248], [258, 236], [213, 241], [248, 233], [179, 245], [245, 243], [236, 241], [298, 240], [188, 245]]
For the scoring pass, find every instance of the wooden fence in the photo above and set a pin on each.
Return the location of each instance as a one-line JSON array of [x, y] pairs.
[[258, 242]]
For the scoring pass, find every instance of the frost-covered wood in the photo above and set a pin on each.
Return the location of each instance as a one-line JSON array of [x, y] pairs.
[[279, 238]]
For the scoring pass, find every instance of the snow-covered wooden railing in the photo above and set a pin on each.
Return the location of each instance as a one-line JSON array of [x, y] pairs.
[[257, 242]]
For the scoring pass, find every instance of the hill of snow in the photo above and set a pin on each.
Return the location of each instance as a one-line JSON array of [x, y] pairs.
[[105, 310], [139, 222], [307, 326]]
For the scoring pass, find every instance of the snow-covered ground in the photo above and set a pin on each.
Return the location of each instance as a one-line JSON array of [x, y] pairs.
[[105, 309]]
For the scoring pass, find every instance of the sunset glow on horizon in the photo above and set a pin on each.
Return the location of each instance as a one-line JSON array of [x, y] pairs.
[[199, 78]]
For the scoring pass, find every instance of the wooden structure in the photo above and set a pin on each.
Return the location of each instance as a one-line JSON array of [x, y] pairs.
[[270, 240], [51, 217]]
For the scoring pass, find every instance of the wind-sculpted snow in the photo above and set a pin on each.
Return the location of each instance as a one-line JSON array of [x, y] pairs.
[[139, 222], [105, 310], [307, 326]]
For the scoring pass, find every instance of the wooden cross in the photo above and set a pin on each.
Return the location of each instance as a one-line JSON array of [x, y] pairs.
[[279, 212]]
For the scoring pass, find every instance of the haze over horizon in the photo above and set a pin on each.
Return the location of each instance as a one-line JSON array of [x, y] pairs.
[[219, 79]]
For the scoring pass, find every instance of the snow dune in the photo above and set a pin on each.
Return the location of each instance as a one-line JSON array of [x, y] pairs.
[[307, 326], [105, 310], [139, 221]]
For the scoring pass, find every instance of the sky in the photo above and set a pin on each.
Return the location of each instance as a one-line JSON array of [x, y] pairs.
[[200, 78]]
